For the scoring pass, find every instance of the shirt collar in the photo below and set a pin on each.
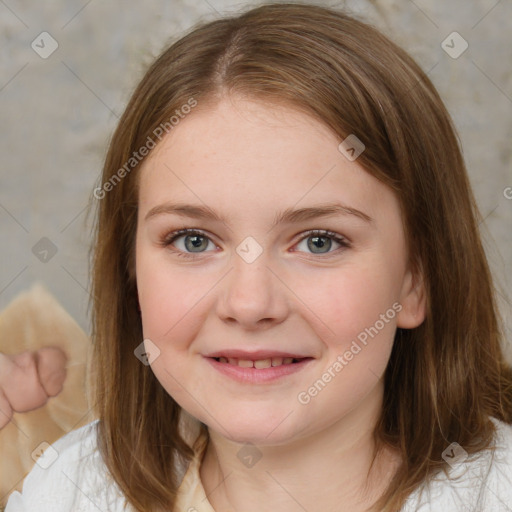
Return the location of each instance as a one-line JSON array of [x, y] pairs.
[[191, 493]]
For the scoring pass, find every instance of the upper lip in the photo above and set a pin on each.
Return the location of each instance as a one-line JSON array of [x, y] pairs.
[[254, 355]]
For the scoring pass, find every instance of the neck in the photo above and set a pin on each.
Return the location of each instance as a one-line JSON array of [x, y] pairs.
[[328, 470]]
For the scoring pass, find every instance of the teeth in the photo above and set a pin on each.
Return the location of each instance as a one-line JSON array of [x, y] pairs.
[[260, 363], [263, 363]]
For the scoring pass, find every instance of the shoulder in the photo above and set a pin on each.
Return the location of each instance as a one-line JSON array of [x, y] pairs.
[[482, 481], [499, 483], [69, 475]]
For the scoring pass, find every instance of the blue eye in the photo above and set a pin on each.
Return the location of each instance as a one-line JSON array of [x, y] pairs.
[[317, 240], [196, 242]]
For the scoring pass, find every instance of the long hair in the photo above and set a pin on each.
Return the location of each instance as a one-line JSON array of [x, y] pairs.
[[445, 378]]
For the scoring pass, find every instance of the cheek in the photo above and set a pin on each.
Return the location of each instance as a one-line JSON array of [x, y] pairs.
[[352, 299], [164, 303], [355, 317], [170, 303], [171, 299], [354, 312]]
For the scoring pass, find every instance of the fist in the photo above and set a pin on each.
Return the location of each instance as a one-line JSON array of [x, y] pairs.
[[28, 379]]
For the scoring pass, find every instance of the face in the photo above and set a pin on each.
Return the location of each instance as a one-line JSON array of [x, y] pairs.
[[268, 272]]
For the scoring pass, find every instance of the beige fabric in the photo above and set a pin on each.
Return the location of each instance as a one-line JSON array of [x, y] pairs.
[[191, 493], [34, 319]]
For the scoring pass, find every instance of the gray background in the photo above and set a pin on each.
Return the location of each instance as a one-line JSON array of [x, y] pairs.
[[58, 113]]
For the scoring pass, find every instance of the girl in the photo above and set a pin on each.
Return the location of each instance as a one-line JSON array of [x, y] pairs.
[[292, 307]]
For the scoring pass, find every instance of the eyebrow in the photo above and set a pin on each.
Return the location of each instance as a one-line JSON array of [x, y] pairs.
[[289, 215]]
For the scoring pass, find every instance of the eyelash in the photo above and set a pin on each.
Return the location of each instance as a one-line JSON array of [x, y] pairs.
[[171, 237]]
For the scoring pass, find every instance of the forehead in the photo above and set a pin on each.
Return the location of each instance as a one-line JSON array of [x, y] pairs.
[[247, 153]]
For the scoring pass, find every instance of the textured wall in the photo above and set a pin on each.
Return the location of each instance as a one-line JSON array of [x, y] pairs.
[[58, 113]]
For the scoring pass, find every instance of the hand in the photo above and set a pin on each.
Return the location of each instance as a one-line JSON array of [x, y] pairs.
[[28, 379]]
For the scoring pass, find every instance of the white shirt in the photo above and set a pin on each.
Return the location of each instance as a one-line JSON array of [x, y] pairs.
[[71, 477]]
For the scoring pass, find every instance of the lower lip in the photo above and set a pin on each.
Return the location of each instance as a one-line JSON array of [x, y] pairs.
[[258, 375]]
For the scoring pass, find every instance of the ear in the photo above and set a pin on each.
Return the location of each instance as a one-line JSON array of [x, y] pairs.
[[413, 300]]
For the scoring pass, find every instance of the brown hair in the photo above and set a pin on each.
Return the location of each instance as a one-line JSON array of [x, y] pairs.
[[449, 372]]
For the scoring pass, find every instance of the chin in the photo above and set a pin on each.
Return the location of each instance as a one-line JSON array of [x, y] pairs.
[[257, 436], [257, 427]]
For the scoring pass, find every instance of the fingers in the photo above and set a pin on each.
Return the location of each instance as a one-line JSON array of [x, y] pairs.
[[51, 366], [20, 382], [28, 379]]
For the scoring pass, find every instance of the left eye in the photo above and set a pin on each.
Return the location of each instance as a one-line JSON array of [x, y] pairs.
[[195, 242], [318, 240]]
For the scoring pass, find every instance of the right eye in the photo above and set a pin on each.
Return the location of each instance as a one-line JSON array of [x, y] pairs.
[[192, 239]]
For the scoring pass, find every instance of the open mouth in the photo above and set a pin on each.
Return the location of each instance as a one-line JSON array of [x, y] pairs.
[[260, 363]]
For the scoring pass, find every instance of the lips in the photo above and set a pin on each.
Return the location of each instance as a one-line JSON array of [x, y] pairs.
[[254, 355], [258, 371], [259, 363], [259, 359]]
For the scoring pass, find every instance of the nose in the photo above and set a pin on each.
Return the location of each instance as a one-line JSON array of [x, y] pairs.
[[253, 295]]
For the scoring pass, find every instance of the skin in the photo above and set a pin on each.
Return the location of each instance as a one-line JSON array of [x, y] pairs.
[[29, 379], [247, 161]]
